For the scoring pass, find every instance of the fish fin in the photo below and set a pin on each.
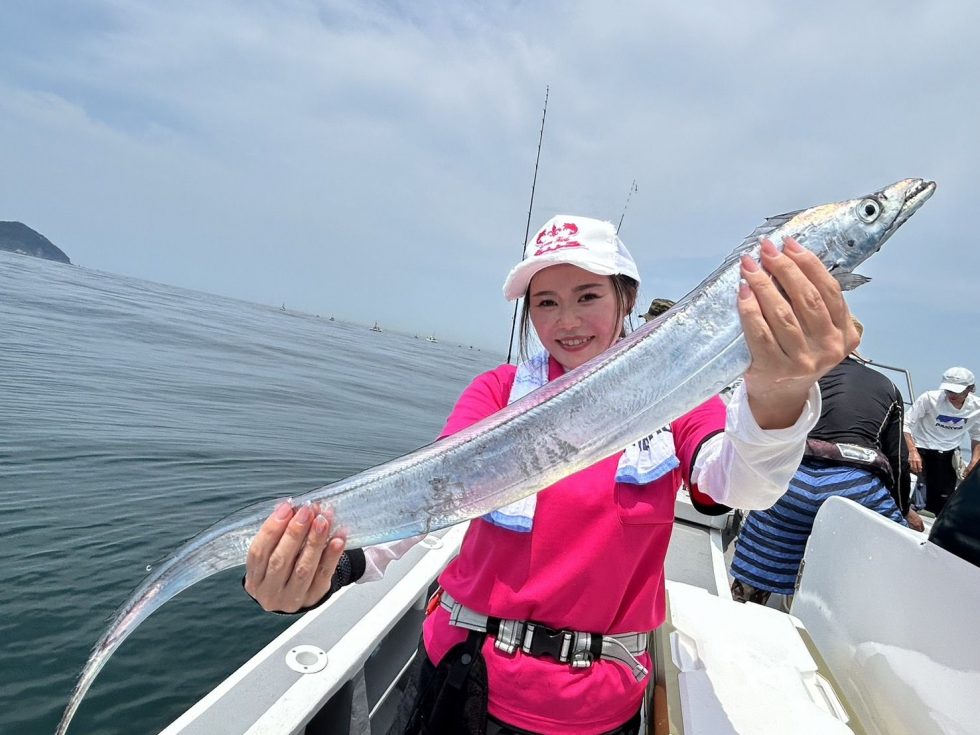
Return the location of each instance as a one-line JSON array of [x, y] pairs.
[[766, 228], [770, 225], [850, 281]]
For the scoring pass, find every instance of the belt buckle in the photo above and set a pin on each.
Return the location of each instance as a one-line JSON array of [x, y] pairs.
[[857, 453], [540, 640]]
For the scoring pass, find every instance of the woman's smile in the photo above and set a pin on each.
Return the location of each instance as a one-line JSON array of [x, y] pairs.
[[575, 313], [574, 343]]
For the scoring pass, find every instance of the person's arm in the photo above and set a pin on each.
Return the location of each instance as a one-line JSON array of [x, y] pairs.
[[974, 458], [913, 416], [893, 445], [746, 466], [915, 459]]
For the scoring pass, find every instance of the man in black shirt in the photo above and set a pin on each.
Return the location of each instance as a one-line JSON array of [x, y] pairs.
[[864, 408]]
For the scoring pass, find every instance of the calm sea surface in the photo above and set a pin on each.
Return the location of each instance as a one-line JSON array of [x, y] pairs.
[[132, 416]]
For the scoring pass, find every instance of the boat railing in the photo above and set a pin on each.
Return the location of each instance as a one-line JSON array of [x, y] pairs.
[[893, 368], [339, 668]]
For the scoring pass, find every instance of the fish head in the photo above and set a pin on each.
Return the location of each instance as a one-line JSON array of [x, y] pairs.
[[845, 234]]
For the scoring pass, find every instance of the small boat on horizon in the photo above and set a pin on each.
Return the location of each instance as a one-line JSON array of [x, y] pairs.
[[431, 338], [376, 328]]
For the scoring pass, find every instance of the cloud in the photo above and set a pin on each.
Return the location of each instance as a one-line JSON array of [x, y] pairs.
[[374, 160]]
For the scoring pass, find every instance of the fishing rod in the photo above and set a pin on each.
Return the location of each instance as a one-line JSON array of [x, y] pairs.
[[527, 229], [629, 194]]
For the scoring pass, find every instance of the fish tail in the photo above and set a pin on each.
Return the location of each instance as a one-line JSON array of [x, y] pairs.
[[219, 548]]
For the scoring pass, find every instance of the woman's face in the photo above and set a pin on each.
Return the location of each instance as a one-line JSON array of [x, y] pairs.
[[575, 313]]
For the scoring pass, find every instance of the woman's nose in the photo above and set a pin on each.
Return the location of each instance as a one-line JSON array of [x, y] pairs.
[[567, 316]]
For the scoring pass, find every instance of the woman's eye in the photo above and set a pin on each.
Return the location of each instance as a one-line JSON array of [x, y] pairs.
[[589, 296]]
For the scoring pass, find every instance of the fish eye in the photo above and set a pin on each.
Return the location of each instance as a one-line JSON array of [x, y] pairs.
[[868, 210]]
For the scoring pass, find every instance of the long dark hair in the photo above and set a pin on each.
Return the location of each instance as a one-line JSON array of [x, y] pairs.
[[624, 287]]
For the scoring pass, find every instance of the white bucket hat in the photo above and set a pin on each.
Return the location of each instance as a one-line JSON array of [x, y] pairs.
[[591, 244], [956, 380]]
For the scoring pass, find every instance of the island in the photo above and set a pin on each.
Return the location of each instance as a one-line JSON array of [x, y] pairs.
[[16, 237]]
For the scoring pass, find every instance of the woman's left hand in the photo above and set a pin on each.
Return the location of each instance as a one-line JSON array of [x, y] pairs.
[[797, 326]]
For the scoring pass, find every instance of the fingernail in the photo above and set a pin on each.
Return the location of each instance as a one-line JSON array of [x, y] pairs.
[[743, 290], [303, 515], [320, 524], [768, 248], [749, 264], [792, 245], [284, 510]]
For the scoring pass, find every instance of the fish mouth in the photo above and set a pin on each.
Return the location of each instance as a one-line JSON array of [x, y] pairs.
[[917, 193]]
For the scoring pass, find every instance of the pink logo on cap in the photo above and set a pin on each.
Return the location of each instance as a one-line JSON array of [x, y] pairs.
[[550, 240]]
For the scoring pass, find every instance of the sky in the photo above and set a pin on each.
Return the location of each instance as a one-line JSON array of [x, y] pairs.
[[374, 160]]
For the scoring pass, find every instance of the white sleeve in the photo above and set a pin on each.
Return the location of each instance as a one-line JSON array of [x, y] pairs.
[[975, 427], [377, 558], [750, 467], [914, 415]]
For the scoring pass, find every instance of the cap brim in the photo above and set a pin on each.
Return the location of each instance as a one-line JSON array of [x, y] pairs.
[[521, 274], [953, 387]]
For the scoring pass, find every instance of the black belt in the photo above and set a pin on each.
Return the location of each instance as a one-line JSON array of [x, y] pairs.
[[576, 648]]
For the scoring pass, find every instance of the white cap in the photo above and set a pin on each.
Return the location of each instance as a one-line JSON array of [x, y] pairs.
[[956, 380], [591, 244]]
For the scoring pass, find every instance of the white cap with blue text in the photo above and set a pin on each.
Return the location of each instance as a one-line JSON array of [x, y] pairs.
[[957, 380], [590, 244]]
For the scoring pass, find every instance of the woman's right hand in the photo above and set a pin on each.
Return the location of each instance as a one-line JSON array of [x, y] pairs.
[[292, 559]]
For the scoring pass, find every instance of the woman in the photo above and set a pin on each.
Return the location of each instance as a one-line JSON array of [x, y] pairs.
[[541, 622]]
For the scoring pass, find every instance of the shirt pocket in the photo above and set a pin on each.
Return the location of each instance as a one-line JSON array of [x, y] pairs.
[[651, 504]]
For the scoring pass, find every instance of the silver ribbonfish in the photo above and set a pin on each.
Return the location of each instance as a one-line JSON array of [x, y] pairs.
[[571, 423]]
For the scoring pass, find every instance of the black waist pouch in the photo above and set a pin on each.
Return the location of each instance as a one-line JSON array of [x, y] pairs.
[[851, 455], [448, 699]]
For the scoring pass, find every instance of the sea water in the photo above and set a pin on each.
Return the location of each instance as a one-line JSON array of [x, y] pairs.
[[132, 416]]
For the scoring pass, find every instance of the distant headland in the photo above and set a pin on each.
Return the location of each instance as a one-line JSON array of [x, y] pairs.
[[17, 237]]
